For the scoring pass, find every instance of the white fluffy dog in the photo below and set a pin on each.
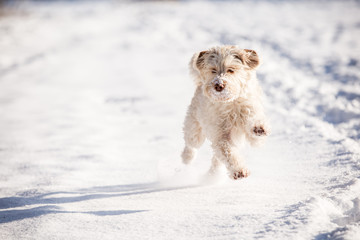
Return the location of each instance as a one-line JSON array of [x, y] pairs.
[[226, 107]]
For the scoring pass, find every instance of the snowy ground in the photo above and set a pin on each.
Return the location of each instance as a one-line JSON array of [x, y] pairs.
[[92, 100]]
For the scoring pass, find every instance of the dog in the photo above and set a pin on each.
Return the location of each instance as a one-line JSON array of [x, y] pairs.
[[226, 108]]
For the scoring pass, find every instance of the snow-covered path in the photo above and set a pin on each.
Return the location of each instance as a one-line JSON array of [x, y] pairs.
[[92, 100]]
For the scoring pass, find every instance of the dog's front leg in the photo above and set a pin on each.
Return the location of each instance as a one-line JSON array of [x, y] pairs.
[[255, 123], [193, 135], [227, 152], [257, 129]]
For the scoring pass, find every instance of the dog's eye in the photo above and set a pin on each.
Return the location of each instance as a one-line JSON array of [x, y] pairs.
[[213, 71], [230, 71]]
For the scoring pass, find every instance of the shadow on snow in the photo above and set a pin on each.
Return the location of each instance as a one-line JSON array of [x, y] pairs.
[[14, 215], [50, 202]]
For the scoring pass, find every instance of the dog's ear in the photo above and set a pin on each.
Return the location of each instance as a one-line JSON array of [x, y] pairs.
[[196, 64], [198, 60], [247, 57], [251, 58]]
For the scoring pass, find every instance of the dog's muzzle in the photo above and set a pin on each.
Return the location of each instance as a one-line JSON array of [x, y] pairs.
[[219, 85]]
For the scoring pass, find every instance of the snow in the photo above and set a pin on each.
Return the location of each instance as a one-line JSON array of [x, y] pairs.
[[92, 99]]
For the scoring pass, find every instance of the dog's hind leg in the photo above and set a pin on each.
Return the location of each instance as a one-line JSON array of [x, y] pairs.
[[193, 136], [227, 152], [215, 164]]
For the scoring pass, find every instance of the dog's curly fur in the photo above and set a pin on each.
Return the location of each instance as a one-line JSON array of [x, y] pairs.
[[226, 108]]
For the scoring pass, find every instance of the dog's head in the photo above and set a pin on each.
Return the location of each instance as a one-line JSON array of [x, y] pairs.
[[224, 72]]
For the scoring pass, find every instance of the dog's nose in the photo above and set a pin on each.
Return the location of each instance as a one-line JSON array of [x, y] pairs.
[[219, 87]]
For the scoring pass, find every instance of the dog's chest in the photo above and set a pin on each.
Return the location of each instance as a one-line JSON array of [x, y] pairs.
[[232, 114]]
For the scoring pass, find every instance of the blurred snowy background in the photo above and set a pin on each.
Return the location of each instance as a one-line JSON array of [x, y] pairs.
[[92, 99]]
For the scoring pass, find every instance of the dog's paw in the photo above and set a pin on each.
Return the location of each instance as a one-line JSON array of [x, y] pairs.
[[188, 155], [243, 173]]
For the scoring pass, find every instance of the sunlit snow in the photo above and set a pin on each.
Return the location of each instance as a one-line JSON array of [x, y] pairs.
[[93, 95]]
